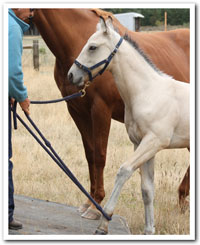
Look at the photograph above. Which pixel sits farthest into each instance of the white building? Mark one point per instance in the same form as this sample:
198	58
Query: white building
130	20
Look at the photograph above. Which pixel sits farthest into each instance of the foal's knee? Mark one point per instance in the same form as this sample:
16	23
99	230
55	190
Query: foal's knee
124	173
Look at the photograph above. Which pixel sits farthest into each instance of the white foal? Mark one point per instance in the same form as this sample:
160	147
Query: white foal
156	109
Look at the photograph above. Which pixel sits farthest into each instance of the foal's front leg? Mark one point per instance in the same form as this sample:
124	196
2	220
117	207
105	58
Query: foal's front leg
147	187
147	149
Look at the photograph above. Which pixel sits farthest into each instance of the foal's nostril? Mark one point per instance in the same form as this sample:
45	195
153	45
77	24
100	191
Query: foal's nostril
70	77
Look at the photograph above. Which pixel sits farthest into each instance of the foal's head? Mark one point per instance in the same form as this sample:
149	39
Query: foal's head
98	48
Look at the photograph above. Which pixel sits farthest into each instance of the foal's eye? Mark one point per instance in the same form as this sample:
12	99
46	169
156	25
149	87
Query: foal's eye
92	48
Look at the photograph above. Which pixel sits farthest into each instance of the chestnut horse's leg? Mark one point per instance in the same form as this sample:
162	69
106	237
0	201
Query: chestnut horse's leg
84	125
85	128
184	188
94	131
94	126
101	119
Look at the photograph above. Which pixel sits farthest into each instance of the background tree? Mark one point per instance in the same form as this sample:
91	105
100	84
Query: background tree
151	16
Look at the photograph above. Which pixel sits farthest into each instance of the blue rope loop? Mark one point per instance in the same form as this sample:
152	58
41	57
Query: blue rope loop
56	158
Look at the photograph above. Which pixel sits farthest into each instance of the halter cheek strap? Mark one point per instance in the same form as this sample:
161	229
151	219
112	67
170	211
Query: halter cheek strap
105	61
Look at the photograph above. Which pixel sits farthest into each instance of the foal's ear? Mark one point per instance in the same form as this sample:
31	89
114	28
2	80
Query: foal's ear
109	23
102	25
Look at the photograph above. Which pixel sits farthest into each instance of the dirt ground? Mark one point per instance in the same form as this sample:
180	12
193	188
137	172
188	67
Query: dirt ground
48	218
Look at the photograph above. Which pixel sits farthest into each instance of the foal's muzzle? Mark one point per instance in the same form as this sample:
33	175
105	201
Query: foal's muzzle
79	81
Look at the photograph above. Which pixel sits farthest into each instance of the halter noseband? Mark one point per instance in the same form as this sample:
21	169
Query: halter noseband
105	61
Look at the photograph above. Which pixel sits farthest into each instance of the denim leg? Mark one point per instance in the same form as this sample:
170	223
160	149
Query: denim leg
11	193
11	204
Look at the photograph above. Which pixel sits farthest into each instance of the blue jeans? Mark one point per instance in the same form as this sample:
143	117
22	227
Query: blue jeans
11	204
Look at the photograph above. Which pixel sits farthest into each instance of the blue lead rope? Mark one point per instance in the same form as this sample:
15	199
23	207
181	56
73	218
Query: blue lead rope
67	98
55	156
81	93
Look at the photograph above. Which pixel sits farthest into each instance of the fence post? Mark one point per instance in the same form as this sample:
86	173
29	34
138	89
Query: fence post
165	21
36	55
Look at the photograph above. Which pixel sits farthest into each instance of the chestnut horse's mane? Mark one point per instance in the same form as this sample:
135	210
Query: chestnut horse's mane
105	15
102	13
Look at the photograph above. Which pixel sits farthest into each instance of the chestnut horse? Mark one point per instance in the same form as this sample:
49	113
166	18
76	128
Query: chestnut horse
65	32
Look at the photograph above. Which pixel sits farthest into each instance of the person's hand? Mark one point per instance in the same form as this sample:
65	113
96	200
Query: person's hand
12	101
25	105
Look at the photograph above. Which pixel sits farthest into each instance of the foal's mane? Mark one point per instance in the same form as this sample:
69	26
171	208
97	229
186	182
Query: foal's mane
141	52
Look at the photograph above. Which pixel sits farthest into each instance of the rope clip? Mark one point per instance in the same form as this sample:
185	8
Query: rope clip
83	91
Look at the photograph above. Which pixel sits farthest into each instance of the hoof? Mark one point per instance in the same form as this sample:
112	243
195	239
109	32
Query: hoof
91	214
149	231
100	232
82	209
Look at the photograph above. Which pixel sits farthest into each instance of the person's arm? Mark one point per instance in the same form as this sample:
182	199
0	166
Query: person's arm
17	90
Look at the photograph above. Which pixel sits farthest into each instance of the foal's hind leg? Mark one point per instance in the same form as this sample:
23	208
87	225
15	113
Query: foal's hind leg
147	149
147	186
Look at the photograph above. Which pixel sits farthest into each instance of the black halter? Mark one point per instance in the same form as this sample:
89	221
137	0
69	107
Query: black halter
105	61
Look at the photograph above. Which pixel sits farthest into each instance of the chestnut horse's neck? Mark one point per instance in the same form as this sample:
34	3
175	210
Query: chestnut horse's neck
65	30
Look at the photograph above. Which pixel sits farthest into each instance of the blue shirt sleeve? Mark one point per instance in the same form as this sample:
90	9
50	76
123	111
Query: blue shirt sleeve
17	89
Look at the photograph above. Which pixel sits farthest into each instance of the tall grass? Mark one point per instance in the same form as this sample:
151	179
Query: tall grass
36	175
